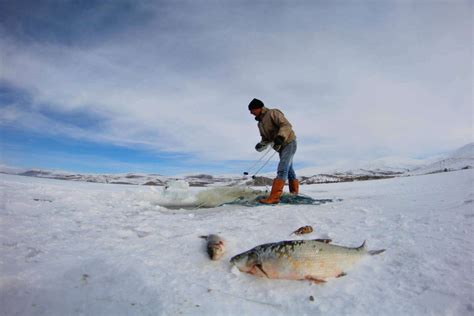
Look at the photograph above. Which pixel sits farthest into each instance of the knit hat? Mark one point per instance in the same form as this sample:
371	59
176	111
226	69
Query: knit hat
255	104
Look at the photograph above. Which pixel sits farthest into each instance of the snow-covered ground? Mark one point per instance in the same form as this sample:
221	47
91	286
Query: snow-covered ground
77	248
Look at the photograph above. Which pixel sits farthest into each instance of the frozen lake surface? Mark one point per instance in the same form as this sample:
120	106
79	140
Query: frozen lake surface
72	248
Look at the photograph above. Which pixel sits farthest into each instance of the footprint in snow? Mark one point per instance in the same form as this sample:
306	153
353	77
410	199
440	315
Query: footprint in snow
32	252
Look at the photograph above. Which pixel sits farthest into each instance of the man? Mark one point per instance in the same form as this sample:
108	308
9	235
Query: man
275	128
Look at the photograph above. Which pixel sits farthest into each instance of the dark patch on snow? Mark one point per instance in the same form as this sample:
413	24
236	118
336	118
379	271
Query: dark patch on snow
155	183
43	200
285	199
260	182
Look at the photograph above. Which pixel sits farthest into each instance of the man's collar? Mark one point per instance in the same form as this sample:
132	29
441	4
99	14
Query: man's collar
262	114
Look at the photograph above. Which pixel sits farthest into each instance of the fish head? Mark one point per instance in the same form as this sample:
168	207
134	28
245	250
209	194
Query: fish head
245	261
216	251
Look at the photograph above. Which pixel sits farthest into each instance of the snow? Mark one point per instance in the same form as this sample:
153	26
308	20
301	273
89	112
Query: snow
384	165
75	248
466	152
463	158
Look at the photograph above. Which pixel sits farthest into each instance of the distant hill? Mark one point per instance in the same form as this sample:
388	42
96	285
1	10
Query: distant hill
198	180
463	158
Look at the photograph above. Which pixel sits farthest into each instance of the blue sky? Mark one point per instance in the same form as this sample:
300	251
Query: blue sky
163	86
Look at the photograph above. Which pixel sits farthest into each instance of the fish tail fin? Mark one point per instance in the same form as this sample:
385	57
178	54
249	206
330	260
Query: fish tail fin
375	252
363	247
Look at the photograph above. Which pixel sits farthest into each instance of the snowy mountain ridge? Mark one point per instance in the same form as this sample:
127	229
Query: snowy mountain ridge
127	178
462	158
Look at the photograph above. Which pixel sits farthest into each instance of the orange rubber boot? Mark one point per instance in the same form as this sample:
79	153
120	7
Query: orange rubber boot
294	186
277	190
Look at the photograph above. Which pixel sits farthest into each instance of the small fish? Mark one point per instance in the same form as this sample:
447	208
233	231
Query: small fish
303	230
215	246
315	260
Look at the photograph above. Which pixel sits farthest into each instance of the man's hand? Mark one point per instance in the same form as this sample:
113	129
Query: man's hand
260	147
278	142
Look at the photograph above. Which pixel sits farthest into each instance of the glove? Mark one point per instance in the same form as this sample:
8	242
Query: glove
260	147
278	142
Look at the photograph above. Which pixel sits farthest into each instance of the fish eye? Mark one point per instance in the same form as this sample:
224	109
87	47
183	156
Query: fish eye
235	258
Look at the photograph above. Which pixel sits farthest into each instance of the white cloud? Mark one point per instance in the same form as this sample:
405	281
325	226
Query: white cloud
353	87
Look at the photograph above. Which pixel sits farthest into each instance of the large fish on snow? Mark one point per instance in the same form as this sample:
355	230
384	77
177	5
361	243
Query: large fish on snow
315	260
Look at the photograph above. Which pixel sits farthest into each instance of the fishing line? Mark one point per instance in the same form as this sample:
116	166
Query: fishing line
256	162
266	162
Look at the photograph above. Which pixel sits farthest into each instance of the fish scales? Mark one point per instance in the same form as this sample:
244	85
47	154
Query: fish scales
299	259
